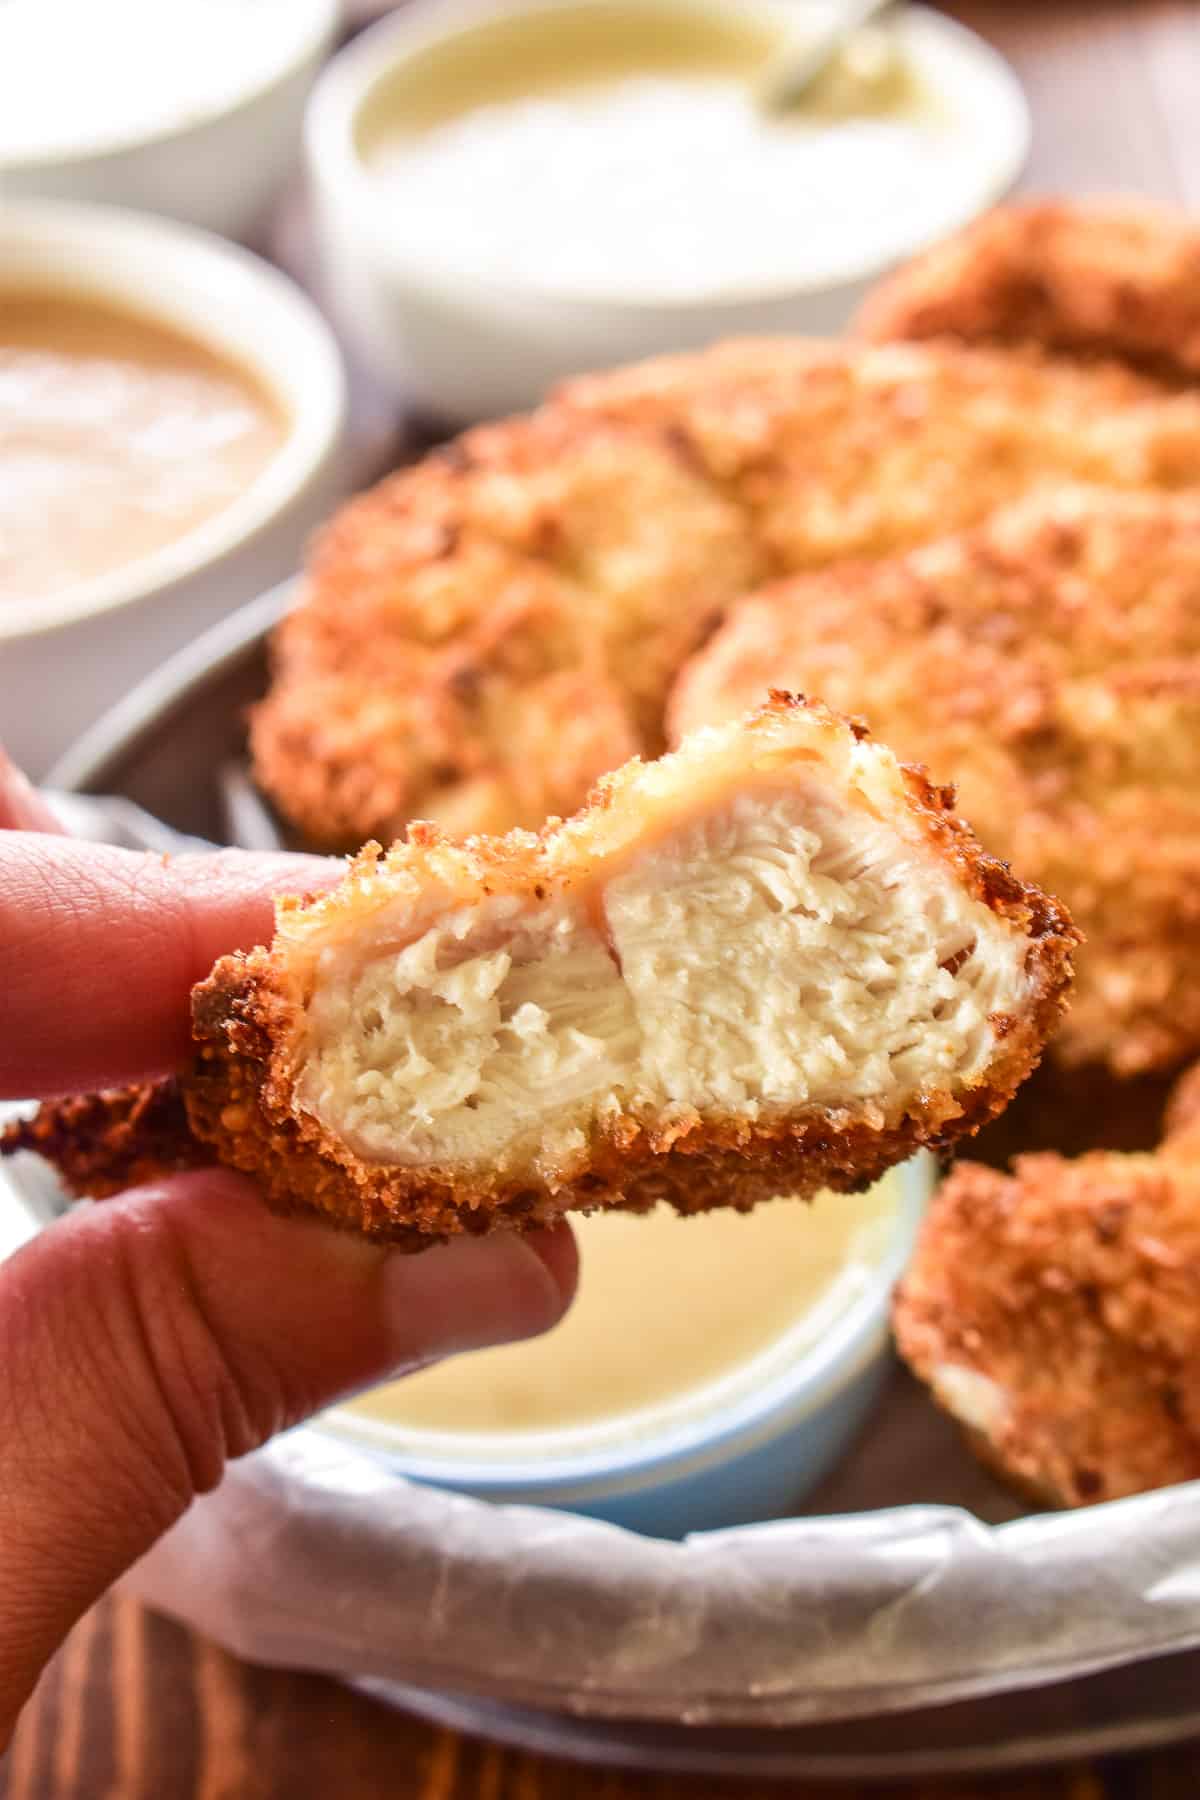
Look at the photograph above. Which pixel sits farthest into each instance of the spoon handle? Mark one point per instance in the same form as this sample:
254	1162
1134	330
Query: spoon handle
789	75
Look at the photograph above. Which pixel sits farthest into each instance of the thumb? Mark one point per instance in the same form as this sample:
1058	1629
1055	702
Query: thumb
145	1341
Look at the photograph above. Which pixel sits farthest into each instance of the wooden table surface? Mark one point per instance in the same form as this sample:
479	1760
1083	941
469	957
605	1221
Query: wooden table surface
135	1708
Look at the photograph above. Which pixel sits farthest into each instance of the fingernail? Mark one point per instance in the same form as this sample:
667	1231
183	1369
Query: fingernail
555	1246
473	1292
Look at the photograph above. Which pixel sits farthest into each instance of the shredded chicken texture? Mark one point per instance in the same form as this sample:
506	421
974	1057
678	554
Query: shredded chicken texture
485	633
1049	663
1117	279
769	963
1055	1314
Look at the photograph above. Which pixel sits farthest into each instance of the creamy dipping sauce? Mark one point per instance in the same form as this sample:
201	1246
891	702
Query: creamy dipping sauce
667	1310
118	436
666	179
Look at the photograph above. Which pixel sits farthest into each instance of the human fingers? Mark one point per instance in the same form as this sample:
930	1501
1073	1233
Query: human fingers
100	948
147	1340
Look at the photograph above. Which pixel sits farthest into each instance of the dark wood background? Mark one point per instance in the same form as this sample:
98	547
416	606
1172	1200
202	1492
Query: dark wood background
135	1708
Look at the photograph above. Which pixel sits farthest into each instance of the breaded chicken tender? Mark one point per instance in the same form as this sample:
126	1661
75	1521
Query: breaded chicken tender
487	633
1048	662
484	634
769	963
1056	1314
1118	279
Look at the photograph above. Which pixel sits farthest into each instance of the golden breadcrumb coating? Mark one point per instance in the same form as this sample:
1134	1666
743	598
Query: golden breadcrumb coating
484	634
838	451
1049	662
102	1143
771	962
1056	1314
1114	279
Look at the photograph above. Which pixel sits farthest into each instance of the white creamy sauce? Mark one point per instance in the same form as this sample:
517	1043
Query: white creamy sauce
662	185
83	75
667	1307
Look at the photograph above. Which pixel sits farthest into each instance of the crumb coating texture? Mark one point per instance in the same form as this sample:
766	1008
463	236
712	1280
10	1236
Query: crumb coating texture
1055	1312
1049	662
102	1143
1117	279
484	634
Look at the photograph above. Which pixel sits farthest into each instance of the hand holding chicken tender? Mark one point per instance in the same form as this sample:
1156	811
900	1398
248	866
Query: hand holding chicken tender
149	1341
770	963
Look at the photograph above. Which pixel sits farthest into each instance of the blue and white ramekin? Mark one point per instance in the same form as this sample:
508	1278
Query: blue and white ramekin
771	1431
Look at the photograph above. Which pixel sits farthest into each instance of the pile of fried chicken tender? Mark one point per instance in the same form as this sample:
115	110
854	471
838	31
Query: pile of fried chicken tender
770	956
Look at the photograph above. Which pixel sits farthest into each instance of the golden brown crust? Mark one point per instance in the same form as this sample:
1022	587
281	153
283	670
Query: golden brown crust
483	634
103	1143
486	633
841	450
699	1165
241	1100
1117	279
1049	660
1056	1313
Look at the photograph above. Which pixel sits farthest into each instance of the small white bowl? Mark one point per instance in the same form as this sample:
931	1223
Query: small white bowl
65	661
750	1447
473	347
220	164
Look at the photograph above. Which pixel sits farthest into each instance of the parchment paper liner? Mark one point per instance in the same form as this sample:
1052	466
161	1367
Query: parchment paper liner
312	1556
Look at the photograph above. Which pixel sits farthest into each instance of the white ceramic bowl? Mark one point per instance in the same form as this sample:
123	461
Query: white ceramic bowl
64	662
221	164
750	1447
470	347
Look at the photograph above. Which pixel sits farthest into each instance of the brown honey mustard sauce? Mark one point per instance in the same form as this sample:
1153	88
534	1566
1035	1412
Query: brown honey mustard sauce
118	436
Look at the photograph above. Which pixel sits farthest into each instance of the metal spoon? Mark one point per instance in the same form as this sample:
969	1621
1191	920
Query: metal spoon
790	74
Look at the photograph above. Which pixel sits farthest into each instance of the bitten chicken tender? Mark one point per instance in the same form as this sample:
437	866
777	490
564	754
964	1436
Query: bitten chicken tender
1117	279
770	963
1049	663
1056	1314
486	633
